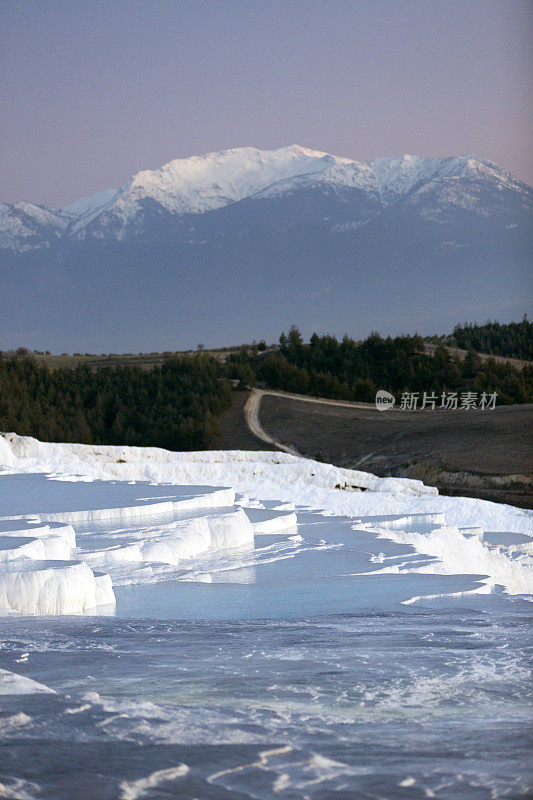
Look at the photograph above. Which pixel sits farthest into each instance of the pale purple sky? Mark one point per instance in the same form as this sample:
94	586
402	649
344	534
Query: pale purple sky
94	91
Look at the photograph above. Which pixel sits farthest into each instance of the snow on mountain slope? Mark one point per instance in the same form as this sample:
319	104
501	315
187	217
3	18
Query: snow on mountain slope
197	184
26	226
82	211
204	183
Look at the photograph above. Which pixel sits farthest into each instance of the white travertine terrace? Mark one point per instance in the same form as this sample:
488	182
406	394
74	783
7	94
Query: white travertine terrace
76	518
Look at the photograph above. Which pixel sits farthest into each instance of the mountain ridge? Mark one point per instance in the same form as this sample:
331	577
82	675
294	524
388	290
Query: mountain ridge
198	184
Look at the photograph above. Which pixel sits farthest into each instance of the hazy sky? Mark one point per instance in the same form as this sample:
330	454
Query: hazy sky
92	91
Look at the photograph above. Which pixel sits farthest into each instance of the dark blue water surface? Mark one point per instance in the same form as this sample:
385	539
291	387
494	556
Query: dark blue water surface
286	676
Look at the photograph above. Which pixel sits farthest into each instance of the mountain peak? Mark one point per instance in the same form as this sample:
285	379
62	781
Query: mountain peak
204	183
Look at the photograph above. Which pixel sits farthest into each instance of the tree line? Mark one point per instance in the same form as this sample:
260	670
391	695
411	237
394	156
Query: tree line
349	370
514	340
175	405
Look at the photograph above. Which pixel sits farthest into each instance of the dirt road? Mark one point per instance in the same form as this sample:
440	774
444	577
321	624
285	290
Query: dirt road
474	453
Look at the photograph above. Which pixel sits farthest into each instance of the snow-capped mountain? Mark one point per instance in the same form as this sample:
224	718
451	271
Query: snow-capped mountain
296	220
206	183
